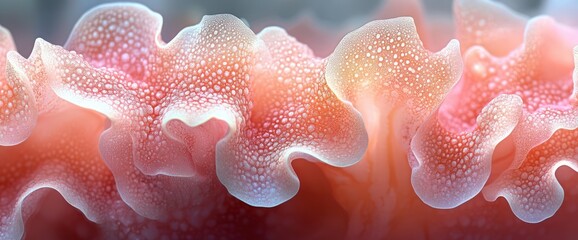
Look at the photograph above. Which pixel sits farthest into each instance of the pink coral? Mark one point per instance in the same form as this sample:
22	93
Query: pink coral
191	138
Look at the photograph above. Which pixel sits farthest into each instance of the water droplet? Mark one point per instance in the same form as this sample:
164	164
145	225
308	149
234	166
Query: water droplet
125	57
311	128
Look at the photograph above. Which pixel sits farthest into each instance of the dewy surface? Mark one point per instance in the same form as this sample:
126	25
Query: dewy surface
223	132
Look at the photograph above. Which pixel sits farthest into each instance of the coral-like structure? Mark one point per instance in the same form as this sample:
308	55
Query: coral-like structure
203	136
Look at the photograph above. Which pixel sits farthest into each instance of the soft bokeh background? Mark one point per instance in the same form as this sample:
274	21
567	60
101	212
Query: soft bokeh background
52	20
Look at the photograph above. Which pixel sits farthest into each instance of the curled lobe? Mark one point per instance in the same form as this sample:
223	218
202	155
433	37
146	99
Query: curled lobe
294	115
256	102
385	62
217	69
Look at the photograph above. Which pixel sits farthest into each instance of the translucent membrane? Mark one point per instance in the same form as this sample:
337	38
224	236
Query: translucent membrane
191	137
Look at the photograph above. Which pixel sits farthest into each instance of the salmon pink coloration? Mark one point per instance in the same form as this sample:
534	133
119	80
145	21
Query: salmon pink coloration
222	132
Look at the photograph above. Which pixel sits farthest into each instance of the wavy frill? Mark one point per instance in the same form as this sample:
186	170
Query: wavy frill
141	135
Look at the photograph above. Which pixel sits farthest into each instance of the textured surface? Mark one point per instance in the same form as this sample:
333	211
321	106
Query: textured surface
17	105
270	91
119	67
222	132
294	115
449	168
385	61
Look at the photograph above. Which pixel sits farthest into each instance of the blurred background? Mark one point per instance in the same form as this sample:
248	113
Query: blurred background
53	20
